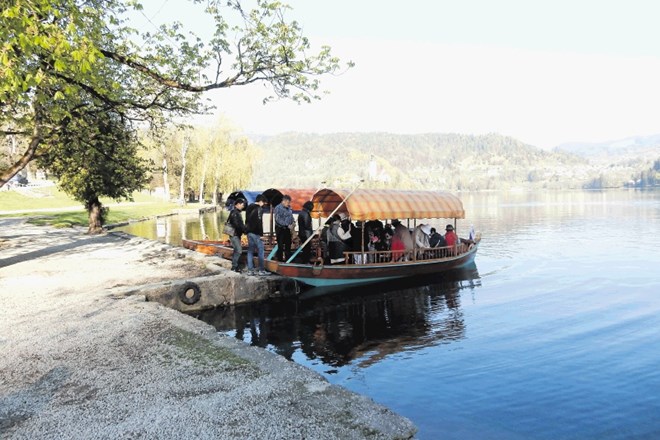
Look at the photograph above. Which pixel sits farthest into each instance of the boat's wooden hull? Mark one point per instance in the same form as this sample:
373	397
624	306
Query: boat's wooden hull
211	247
218	248
352	274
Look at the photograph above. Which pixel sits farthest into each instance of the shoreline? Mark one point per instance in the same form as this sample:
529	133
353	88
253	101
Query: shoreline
83	359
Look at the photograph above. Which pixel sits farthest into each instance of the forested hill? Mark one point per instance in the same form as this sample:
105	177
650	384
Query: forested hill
634	147
423	161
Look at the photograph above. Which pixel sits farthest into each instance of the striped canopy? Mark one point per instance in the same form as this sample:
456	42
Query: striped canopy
383	204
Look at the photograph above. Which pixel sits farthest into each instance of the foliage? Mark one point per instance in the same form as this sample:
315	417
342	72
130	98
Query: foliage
95	157
62	59
424	161
219	157
647	178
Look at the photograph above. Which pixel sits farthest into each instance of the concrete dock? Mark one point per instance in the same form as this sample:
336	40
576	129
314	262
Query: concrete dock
84	355
214	286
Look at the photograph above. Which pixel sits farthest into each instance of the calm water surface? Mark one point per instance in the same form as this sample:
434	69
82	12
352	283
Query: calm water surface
554	333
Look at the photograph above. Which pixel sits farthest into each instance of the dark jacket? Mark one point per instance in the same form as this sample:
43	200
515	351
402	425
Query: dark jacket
254	220
305	225
437	240
357	240
236	220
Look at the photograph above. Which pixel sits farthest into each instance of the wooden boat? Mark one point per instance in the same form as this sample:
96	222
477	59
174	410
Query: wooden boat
365	205
211	247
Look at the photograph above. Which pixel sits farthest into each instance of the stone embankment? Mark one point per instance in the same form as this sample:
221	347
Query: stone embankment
84	356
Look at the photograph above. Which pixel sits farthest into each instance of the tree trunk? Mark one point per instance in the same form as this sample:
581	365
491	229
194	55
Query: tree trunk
96	216
166	179
184	150
215	191
201	184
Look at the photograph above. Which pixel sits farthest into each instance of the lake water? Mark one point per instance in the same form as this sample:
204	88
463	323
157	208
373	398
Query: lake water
553	333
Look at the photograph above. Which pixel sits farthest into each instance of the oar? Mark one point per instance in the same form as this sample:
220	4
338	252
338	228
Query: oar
321	226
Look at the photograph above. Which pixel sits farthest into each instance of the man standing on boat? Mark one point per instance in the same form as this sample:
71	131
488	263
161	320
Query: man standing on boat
305	230
236	220
283	223
255	230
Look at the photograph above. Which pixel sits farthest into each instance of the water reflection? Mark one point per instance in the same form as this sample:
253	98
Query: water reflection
360	325
172	229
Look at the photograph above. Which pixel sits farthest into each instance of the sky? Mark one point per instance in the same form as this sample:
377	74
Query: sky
544	72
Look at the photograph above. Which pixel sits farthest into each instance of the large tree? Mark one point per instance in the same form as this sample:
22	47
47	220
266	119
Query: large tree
63	61
96	156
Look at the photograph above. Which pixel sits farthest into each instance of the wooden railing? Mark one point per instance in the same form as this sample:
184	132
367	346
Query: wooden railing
421	254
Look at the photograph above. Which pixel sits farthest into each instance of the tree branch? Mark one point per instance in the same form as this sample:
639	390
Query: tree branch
29	153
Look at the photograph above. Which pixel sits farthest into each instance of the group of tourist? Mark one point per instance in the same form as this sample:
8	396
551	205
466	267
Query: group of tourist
373	241
253	227
365	240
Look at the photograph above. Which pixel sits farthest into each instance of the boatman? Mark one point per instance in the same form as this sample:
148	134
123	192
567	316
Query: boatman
305	230
283	224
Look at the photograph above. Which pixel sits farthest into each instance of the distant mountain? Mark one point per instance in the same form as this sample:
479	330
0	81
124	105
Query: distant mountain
624	149
428	161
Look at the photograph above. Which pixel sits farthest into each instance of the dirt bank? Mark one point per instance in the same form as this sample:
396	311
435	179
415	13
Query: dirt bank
80	361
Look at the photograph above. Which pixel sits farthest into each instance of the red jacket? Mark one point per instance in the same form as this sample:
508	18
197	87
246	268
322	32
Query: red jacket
399	246
451	238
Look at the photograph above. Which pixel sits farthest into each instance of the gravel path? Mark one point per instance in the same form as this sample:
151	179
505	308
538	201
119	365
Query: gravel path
80	362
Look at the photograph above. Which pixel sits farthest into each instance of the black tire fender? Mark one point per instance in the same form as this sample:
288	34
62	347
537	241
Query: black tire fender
289	287
190	293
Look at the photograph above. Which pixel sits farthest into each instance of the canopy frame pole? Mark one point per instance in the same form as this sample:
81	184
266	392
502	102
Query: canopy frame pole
319	228
414	239
362	256
270	233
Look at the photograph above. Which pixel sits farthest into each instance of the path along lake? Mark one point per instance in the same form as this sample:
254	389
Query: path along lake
553	333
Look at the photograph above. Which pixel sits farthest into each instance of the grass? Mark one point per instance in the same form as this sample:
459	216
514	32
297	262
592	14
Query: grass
72	213
116	214
35	198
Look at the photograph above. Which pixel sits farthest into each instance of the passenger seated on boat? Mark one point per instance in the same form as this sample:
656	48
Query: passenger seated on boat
436	239
388	233
357	245
398	248
450	237
372	239
374	225
421	235
338	239
325	248
385	244
388	229
382	245
403	233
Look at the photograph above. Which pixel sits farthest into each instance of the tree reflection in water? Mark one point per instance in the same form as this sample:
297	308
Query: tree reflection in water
361	325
